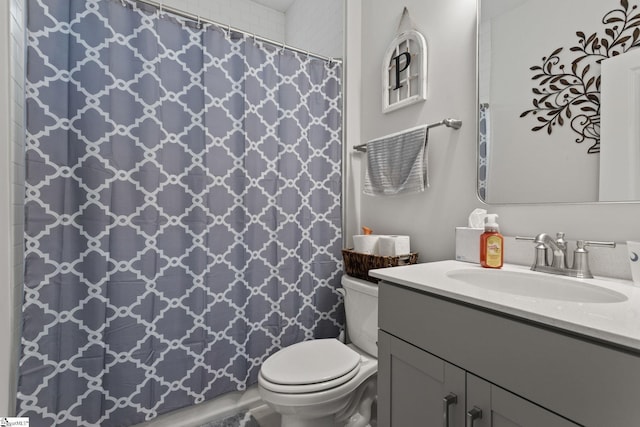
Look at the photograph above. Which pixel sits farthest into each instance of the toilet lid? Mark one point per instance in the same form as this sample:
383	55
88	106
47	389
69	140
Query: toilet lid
310	362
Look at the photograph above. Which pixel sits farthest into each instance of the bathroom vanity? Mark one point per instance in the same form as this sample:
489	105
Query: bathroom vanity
458	347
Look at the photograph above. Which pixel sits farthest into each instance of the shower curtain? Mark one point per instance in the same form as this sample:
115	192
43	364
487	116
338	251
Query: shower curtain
183	217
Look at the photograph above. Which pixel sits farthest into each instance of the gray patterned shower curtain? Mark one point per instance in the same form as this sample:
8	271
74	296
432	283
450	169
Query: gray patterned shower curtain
182	210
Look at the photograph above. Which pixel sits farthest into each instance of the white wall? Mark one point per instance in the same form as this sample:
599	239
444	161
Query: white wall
429	218
311	25
244	15
316	26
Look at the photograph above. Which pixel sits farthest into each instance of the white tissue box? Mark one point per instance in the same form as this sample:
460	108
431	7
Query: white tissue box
468	244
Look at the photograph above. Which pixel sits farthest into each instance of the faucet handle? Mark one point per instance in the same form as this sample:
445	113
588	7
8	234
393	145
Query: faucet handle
581	257
597	243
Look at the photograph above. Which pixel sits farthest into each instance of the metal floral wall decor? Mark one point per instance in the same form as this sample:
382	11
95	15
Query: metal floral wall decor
571	94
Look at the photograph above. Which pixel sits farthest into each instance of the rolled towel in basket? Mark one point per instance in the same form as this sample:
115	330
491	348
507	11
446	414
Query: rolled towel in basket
397	163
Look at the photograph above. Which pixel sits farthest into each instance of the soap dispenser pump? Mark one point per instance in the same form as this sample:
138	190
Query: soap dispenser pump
491	244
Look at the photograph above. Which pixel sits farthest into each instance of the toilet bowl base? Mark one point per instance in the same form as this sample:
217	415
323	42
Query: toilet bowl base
352	410
296	421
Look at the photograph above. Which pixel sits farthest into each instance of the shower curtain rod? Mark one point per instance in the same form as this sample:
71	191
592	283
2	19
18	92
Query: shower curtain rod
200	19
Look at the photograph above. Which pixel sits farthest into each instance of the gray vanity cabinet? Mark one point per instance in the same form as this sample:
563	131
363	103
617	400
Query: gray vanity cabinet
413	395
517	373
413	386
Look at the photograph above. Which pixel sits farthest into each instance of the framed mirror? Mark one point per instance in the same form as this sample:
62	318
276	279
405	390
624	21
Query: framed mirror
559	101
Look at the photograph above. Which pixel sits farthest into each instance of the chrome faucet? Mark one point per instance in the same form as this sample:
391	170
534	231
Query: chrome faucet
558	248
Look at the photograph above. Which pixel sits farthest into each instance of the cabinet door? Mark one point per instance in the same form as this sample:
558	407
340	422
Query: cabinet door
503	409
413	384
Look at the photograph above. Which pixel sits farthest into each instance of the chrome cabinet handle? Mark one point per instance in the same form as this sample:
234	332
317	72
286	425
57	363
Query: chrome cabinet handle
448	400
474	414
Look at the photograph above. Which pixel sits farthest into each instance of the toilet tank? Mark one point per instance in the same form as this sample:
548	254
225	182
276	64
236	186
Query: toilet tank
361	309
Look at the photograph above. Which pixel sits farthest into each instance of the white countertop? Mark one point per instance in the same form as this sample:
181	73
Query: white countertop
616	323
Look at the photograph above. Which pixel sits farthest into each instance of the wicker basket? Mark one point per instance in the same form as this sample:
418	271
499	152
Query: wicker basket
357	264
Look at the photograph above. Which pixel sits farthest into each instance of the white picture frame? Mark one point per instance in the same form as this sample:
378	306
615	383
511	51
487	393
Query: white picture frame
404	71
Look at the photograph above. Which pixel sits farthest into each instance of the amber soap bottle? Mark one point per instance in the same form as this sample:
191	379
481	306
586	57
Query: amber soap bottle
491	244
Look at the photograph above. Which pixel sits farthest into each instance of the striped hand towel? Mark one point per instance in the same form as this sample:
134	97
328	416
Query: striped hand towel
397	163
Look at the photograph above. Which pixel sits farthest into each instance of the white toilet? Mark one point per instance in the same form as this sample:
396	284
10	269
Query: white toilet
325	383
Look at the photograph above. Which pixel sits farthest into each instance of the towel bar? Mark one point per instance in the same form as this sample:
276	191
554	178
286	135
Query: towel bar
452	123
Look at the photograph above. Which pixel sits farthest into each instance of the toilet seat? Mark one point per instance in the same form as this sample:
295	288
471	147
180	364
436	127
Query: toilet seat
320	400
310	366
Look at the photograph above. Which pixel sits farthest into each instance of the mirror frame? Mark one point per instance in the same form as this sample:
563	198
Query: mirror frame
477	144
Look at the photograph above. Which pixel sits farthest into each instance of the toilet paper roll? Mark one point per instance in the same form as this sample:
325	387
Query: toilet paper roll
366	243
394	245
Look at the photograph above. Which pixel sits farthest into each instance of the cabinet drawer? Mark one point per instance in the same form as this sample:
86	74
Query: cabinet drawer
580	380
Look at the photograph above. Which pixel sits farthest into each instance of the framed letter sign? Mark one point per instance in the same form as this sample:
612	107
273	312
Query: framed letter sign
404	71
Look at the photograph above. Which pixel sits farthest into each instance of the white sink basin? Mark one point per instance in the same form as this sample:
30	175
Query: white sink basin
536	285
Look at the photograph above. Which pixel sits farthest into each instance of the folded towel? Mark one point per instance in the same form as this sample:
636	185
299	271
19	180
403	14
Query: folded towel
397	163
